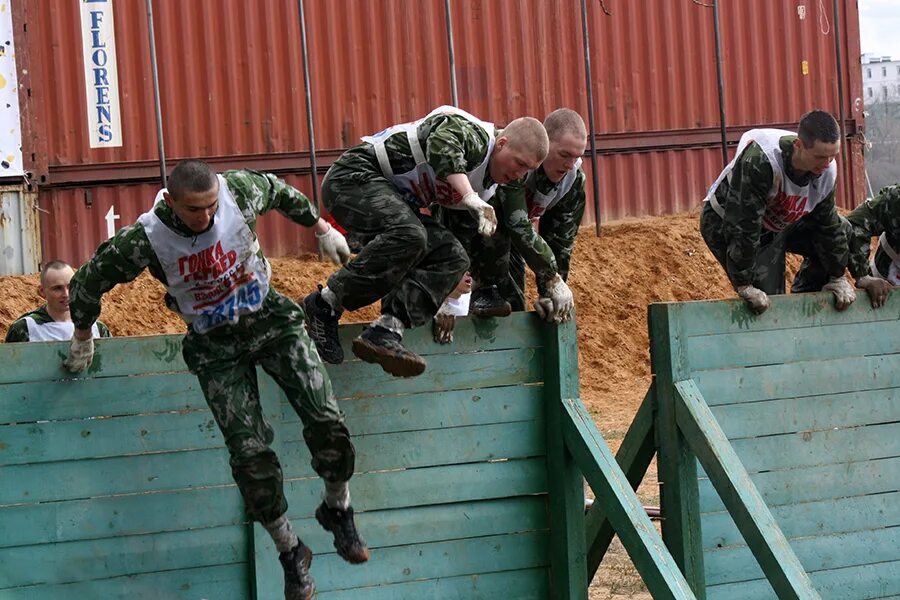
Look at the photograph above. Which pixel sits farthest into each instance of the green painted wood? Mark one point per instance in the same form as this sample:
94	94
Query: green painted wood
68	480
790	311
523	584
226	582
431	485
96	518
113	357
96	438
876	511
731	480
129	555
808	413
409	449
749	348
108	396
818	553
445	372
863	582
431	410
634	457
810	378
821	482
676	464
567	543
615	495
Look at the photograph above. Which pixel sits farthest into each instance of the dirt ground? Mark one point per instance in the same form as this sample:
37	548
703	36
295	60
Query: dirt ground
614	278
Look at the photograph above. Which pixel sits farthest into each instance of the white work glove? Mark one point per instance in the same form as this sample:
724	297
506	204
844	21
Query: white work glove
755	297
561	297
81	353
443	324
842	290
481	210
544	308
333	244
878	289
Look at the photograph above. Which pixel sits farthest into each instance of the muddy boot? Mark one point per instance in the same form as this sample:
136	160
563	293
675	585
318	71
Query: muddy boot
487	302
349	544
322	327
382	346
298	583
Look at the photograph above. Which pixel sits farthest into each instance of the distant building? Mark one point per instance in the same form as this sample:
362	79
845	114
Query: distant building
881	79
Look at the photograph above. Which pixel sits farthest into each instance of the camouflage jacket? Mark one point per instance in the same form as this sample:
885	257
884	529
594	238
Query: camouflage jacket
744	201
18	331
873	217
558	226
124	256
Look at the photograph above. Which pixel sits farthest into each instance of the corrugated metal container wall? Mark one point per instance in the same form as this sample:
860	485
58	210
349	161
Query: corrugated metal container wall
232	85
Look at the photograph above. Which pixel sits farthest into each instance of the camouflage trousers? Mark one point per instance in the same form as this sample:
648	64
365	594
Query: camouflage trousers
408	260
769	267
224	361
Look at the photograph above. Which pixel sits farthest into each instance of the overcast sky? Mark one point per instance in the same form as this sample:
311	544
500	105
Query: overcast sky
879	27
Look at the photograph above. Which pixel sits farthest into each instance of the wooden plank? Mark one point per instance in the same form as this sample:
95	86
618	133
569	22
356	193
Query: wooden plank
676	464
97	438
785	312
437	410
431	485
812	518
634	457
821	482
113	357
69	480
731	480
445	372
566	501
817	553
108	396
522	584
881	580
650	556
749	348
432	447
123	555
808	413
226	582
811	378
95	518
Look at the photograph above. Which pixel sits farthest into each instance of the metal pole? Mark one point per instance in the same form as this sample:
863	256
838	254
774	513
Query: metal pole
453	95
595	176
159	128
845	157
720	80
309	109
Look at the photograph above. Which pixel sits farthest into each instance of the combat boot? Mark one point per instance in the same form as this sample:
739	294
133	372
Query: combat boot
487	302
298	583
322	327
379	345
349	544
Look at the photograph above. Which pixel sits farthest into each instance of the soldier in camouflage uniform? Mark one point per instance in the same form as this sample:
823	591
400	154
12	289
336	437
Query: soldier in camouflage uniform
879	216
199	240
51	321
551	195
777	196
377	190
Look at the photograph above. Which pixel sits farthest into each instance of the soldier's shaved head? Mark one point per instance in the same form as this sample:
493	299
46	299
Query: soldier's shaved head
818	125
53	265
564	121
191	176
527	134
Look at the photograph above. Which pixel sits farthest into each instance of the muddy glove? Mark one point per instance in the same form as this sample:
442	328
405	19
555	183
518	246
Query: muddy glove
443	324
842	290
333	245
561	297
878	289
544	308
81	353
755	297
482	211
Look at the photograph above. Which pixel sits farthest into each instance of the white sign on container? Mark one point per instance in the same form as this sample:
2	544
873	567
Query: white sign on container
101	74
10	123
